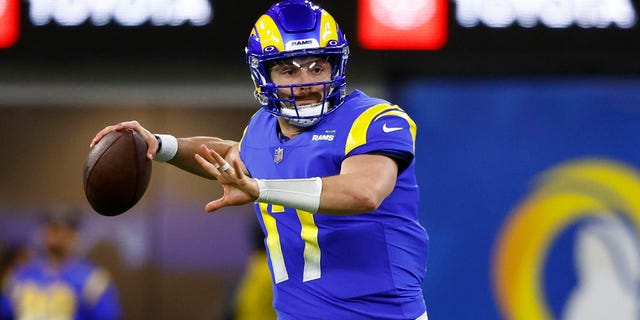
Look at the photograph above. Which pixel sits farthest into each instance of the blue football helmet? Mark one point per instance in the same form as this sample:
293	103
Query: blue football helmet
291	29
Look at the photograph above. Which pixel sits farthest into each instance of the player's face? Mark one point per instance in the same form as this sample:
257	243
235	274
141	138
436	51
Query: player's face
300	71
58	239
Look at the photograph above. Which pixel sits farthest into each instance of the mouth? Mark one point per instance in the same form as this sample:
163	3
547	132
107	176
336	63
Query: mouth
306	103
302	102
305	100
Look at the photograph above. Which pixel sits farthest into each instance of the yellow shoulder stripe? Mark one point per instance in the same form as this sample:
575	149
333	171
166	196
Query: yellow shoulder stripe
244	132
358	133
242	138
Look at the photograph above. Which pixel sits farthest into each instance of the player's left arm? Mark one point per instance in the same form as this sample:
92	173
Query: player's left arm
363	183
368	174
380	146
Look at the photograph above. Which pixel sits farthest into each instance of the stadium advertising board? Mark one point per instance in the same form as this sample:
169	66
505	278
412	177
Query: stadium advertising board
448	36
529	193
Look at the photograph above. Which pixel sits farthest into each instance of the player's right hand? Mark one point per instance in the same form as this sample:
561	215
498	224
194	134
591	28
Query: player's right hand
150	138
237	187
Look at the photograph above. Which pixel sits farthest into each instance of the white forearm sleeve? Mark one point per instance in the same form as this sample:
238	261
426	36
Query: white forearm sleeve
303	194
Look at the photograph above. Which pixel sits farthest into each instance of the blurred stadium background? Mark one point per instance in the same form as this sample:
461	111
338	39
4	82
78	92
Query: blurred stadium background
528	115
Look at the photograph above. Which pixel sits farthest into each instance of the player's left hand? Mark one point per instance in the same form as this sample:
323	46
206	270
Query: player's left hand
238	188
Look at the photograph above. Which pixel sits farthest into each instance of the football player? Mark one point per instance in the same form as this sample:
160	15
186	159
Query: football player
330	173
59	283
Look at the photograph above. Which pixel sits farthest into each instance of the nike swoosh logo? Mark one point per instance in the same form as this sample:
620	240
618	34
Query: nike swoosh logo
390	129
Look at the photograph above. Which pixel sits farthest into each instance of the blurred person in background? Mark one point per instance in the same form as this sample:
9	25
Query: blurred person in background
254	294
59	283
12	256
331	175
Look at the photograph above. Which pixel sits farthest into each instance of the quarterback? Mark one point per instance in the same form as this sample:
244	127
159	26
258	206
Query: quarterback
329	172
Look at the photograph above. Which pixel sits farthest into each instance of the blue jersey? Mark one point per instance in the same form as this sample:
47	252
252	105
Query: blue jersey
363	266
77	291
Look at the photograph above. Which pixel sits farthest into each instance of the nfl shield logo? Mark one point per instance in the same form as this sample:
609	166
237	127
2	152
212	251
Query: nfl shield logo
277	155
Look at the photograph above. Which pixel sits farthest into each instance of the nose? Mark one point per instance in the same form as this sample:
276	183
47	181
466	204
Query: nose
302	79
304	76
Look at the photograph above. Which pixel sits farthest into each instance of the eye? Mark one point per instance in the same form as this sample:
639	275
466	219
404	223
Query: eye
317	67
288	71
284	70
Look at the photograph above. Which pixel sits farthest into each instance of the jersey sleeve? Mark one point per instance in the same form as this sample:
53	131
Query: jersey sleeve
5	307
246	135
108	306
241	144
383	129
101	296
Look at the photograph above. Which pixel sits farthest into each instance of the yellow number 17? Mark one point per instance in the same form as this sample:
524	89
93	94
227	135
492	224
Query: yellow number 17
308	234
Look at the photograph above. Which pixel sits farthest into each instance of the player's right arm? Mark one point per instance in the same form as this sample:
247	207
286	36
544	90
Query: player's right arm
187	147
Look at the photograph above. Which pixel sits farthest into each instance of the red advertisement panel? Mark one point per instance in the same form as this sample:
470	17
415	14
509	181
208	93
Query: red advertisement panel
9	22
402	25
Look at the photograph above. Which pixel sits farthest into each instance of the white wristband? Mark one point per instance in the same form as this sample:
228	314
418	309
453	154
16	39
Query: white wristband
303	194
168	147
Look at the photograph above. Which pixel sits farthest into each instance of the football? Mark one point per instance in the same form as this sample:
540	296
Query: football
116	172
